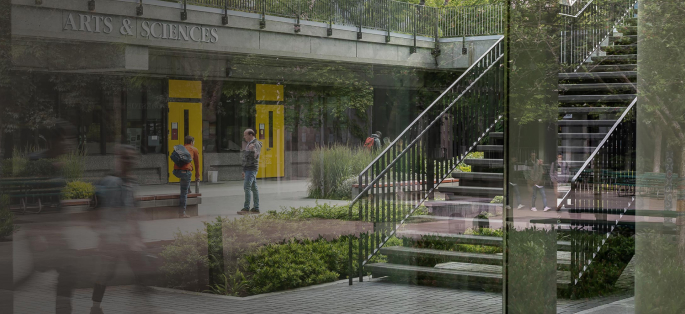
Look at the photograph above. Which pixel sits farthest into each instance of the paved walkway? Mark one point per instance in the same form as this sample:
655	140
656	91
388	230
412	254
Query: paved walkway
375	296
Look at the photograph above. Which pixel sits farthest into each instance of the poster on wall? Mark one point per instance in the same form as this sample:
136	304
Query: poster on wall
134	137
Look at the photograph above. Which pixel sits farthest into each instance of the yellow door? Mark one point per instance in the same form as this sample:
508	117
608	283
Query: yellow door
270	131
185	118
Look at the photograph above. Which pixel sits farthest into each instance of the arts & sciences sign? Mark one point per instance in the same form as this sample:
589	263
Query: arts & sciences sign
138	28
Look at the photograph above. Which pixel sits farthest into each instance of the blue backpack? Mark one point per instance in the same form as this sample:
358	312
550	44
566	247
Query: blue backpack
181	156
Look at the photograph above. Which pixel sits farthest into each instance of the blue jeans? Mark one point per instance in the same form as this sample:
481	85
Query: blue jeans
542	192
251	191
185	176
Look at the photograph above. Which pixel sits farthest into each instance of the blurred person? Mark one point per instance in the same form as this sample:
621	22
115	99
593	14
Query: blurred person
250	162
558	173
537	184
517	177
117	226
183	169
48	245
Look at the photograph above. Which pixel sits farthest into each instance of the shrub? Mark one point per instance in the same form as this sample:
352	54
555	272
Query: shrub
72	166
7	227
78	190
497	200
321	211
183	260
292	265
332	169
38	168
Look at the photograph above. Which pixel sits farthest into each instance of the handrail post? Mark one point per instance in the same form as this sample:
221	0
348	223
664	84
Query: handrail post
184	13
139	8
359	16
224	19
262	22
413	48
329	31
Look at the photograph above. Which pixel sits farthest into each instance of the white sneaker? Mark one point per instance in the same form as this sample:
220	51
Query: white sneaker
546	209
520	206
533	209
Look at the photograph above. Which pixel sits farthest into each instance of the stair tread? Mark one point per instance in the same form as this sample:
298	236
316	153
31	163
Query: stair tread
497	134
478	175
581	135
597	75
586	122
596	98
468	188
446	273
562	257
597	87
490	148
472	239
590	109
475	161
607	68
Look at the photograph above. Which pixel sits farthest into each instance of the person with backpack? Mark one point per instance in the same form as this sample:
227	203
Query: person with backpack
250	161
374	141
184	156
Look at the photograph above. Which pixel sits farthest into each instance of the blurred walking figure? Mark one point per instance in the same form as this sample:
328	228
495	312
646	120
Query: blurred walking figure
117	225
184	156
250	160
558	173
536	180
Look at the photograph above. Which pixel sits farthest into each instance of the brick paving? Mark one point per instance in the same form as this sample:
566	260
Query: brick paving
376	296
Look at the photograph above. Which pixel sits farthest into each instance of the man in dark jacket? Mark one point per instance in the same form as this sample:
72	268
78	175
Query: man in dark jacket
250	161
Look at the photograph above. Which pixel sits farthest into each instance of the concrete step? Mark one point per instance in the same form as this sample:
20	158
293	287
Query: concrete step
597	75
483	176
563	258
575	149
598	87
492	163
587	109
475	191
623	40
497	135
490	148
620	49
584	99
471	239
607	67
586	122
581	136
627	30
463	279
628	58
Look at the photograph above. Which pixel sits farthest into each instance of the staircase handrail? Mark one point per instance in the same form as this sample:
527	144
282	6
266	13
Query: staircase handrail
570	45
420	116
597	149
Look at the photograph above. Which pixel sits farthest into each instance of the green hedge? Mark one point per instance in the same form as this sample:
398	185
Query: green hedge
78	190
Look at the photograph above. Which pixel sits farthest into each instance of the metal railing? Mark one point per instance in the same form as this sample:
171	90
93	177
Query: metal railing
405	173
384	15
586	24
604	185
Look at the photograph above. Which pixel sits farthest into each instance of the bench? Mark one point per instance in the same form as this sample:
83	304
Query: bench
35	193
165	206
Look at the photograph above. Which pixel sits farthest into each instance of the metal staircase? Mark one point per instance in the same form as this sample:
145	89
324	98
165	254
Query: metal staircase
595	97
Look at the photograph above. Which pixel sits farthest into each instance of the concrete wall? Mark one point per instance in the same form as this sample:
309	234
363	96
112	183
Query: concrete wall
150	169
51	22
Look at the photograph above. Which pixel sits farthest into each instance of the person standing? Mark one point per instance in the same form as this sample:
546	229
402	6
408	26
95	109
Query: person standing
558	173
250	161
537	185
185	173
